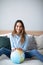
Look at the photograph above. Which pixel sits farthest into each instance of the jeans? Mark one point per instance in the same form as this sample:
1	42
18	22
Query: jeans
5	51
34	53
29	54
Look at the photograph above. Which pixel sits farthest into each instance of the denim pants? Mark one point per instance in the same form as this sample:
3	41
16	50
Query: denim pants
5	51
35	53
29	54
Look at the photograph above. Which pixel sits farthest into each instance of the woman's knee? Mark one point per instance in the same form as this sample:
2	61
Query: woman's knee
34	51
2	48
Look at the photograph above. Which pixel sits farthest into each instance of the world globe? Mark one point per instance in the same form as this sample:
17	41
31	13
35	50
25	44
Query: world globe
17	56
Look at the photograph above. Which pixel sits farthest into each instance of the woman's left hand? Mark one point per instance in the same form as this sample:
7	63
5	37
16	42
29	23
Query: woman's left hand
18	48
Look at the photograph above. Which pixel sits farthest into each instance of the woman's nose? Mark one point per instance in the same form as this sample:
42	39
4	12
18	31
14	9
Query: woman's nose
18	28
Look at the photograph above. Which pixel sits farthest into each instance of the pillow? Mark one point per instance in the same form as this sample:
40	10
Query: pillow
39	41
5	42
32	43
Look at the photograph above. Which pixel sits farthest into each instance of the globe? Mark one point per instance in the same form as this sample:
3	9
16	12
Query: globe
17	56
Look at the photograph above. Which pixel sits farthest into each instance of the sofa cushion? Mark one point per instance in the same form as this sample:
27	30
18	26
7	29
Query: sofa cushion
5	42
39	41
32	43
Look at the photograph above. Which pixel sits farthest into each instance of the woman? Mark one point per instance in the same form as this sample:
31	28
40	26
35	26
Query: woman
20	40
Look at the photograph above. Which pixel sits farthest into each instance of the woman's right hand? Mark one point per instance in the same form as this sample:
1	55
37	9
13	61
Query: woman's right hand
14	49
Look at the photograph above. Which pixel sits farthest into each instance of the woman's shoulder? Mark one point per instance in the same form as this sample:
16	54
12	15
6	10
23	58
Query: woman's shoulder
10	35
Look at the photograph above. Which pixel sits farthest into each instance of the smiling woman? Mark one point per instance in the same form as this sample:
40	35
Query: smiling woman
20	40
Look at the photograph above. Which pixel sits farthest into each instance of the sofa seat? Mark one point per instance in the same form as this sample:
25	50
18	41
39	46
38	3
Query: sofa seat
4	60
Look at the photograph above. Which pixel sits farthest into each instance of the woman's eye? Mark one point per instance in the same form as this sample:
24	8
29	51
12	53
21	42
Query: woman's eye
17	26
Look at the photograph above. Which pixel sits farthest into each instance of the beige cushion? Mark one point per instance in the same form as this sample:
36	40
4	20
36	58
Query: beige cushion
39	41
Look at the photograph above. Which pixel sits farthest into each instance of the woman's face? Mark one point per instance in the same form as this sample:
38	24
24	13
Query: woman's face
19	28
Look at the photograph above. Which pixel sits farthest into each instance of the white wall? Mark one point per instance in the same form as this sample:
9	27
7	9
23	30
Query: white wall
30	11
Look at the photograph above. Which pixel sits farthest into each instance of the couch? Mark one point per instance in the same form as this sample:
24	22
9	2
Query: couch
5	42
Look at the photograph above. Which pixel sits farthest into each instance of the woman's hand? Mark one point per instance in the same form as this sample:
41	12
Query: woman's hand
16	49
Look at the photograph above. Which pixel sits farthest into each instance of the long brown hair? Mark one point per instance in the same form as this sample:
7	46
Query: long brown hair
23	31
